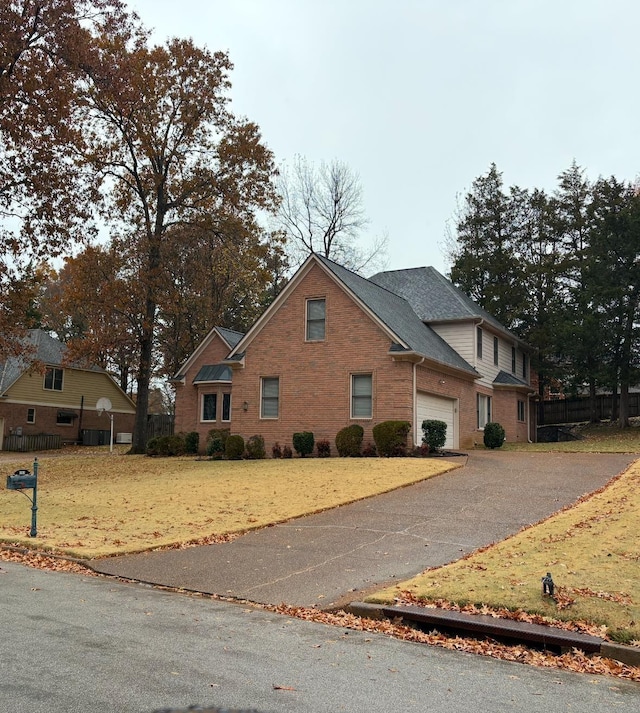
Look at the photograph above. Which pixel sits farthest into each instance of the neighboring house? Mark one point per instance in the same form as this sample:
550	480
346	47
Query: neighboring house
335	349
41	394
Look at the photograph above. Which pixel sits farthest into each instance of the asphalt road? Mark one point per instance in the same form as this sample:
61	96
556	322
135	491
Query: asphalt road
335	557
72	644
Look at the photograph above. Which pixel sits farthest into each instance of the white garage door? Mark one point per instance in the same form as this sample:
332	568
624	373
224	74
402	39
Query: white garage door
441	409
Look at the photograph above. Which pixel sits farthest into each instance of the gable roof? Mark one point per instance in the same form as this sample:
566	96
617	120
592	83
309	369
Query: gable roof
434	298
229	336
405	329
41	347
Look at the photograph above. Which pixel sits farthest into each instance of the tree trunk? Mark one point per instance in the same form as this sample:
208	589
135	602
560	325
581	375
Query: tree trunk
593	406
623	419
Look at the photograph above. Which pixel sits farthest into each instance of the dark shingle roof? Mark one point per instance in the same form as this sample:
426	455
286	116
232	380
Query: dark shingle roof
230	336
397	314
40	347
432	296
505	379
213	372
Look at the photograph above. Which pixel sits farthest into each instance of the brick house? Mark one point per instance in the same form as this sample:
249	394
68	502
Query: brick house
42	394
335	348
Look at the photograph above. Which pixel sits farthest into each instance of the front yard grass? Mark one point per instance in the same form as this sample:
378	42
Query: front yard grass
592	550
105	504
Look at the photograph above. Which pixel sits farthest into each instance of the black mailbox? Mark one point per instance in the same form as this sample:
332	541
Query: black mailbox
21	480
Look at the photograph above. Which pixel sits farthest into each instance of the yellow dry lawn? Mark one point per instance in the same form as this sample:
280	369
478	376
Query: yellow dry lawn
107	504
592	551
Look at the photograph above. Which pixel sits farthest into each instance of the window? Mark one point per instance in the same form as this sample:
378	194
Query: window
209	407
53	379
513	360
479	342
495	351
521	411
31	415
524	367
484	410
361	396
65	418
226	407
270	399
315	320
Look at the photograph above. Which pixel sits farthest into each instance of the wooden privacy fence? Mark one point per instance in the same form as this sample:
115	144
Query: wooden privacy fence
577	410
38	442
159	425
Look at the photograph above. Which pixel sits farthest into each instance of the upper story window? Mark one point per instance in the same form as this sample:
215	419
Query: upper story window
53	379
270	397
316	313
496	351
479	342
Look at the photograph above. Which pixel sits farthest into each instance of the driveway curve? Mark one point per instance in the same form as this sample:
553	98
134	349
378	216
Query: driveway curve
338	556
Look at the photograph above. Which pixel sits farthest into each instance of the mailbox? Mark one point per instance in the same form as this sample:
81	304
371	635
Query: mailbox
21	480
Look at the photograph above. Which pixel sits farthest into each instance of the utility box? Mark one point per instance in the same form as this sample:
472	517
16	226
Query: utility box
21	480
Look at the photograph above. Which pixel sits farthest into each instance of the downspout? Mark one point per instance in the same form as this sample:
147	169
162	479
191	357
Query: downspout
415	400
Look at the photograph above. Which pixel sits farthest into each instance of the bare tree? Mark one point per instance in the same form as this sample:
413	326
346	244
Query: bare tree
321	211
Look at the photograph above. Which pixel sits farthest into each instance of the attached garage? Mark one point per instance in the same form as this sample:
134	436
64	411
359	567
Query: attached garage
441	409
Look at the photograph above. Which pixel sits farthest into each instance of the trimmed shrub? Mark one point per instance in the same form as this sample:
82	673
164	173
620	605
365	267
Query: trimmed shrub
234	447
303	443
323	449
493	435
435	434
369	451
166	446
391	438
287	452
191	442
255	448
216	442
276	451
349	441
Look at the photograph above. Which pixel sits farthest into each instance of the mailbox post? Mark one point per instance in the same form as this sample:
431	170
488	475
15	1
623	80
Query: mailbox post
23	480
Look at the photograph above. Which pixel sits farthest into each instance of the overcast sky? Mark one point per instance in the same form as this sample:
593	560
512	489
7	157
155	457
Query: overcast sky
419	97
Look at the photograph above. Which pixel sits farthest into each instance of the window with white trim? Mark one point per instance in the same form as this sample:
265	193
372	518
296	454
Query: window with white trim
226	407
479	342
496	351
53	379
209	407
521	411
270	397
316	318
361	396
513	360
484	410
31	415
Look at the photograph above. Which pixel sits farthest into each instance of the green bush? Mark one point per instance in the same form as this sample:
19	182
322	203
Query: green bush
391	438
303	443
434	434
323	449
493	435
166	446
255	448
191	442
349	441
216	442
234	447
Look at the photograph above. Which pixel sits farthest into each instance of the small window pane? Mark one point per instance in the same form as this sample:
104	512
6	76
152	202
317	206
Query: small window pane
513	360
53	379
31	415
270	397
479	342
315	320
361	396
226	407
495	351
209	404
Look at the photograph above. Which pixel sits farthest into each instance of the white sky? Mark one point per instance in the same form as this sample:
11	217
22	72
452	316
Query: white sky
419	97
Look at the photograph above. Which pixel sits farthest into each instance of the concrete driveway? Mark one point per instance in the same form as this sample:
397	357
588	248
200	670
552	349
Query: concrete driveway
335	557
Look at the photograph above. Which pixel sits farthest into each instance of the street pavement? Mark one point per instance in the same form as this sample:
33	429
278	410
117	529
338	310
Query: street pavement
75	644
338	556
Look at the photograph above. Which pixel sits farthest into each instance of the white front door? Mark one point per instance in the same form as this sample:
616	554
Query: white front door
441	409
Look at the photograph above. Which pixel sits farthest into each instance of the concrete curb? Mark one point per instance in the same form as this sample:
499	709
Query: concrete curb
472	625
